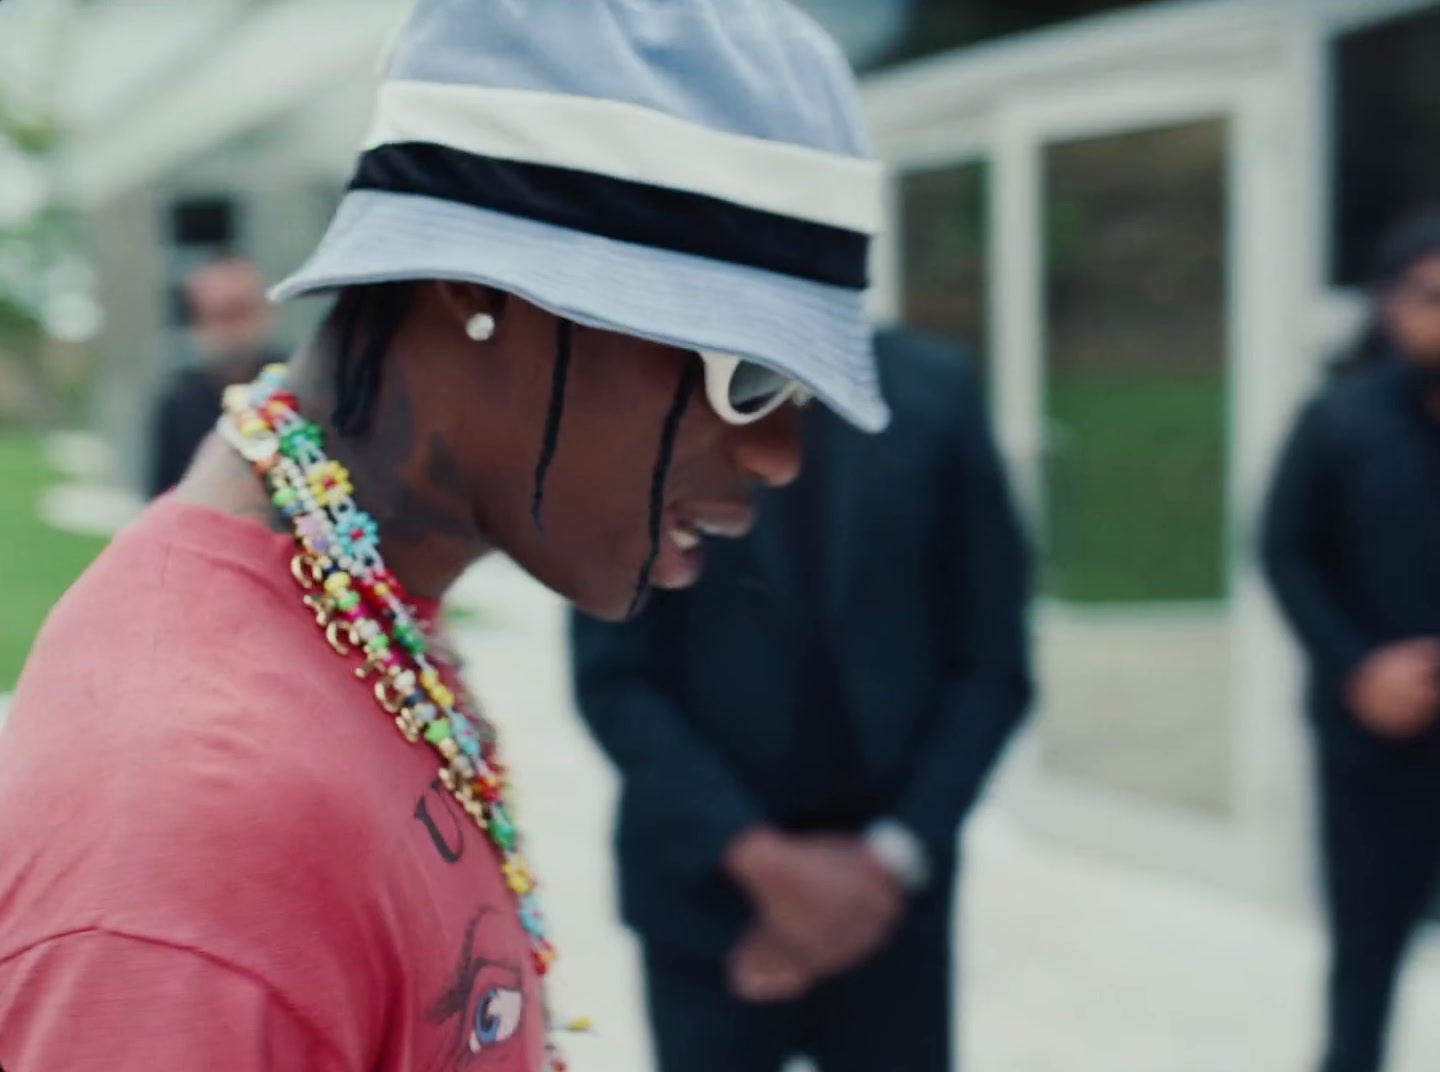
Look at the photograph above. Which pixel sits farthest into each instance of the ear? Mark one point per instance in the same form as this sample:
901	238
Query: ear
464	300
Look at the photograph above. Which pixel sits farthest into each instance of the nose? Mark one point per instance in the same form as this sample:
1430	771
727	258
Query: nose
769	450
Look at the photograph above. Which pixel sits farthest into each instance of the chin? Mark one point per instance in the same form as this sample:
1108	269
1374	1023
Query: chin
614	606
607	600
595	574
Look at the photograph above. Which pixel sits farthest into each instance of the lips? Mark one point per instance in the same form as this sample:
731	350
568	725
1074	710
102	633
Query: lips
722	520
728	521
682	555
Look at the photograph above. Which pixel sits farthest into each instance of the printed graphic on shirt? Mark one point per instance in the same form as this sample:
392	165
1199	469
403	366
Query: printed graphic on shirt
484	1005
482	1010
442	821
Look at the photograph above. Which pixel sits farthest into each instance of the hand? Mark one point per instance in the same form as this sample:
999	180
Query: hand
827	898
764	970
1396	690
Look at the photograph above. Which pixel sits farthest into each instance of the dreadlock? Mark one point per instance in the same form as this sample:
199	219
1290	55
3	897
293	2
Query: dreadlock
668	434
370	315
553	417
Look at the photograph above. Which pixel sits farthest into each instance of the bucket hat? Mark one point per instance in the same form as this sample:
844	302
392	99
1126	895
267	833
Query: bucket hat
692	172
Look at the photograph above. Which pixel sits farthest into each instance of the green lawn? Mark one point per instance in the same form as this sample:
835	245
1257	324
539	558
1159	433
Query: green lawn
37	563
1136	487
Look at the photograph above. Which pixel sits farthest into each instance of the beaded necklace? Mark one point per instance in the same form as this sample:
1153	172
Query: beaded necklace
363	609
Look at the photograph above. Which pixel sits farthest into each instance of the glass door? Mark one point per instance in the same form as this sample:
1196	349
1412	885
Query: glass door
1130	241
1137	377
944	220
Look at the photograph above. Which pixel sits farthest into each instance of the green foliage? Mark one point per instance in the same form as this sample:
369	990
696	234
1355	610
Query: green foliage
32	135
17	322
30	247
38	563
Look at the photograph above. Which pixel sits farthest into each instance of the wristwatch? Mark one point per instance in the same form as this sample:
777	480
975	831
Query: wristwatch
901	852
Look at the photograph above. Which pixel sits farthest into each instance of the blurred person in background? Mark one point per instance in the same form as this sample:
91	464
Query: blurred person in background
569	324
800	736
1352	547
230	327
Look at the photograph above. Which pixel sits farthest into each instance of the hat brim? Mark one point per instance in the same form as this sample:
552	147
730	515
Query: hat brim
812	332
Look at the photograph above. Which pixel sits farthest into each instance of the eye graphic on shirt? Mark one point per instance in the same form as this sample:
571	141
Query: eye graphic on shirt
497	1018
484	1004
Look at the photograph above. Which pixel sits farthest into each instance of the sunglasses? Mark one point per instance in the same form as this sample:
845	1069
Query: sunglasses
742	392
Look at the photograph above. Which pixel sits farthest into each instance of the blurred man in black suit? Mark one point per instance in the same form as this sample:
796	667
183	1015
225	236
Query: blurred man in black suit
1352	546
801	736
230	325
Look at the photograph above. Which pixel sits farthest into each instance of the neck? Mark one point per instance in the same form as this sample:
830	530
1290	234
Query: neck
405	477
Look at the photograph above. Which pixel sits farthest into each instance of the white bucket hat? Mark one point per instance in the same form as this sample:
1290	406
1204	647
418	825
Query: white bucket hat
691	172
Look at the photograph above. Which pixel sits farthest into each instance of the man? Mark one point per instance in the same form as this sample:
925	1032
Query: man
228	846
230	326
801	735
1352	546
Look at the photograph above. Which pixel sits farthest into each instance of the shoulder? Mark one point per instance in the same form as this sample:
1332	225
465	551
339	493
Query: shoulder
928	379
186	383
202	821
1351	402
187	762
174	762
177	782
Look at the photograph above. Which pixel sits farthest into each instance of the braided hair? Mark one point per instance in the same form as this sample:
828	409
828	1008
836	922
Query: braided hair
669	433
360	331
553	415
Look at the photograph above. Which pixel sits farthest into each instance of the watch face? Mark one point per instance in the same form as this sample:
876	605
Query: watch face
901	853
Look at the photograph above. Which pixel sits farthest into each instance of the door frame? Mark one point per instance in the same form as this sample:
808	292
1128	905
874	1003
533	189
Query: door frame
1253	847
1221	848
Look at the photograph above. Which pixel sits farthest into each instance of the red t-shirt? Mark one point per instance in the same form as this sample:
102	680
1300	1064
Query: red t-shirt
217	852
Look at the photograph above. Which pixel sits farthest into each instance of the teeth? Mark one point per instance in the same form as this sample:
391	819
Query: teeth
728	531
685	539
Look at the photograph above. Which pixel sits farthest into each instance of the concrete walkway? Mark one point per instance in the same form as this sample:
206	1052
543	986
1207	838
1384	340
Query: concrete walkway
87	500
1069	965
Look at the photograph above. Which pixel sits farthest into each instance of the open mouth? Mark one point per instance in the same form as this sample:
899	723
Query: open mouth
685	537
732	523
682	555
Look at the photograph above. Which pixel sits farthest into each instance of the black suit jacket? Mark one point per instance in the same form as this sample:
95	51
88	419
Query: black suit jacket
923	581
187	412
1352	538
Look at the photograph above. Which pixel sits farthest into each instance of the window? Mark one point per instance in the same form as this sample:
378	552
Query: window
1387	134
944	215
203	221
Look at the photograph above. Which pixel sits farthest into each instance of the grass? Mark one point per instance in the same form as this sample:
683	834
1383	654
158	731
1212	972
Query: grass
1136	487
37	563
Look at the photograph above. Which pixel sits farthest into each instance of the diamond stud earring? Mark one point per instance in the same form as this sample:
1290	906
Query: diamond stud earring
480	327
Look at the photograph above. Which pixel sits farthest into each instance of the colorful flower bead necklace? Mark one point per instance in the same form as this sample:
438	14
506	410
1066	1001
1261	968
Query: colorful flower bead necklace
363	608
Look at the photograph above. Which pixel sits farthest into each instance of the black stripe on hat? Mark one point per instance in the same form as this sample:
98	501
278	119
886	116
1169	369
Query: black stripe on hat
629	211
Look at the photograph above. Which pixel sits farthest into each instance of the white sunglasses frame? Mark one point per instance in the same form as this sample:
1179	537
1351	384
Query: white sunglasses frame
720	370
